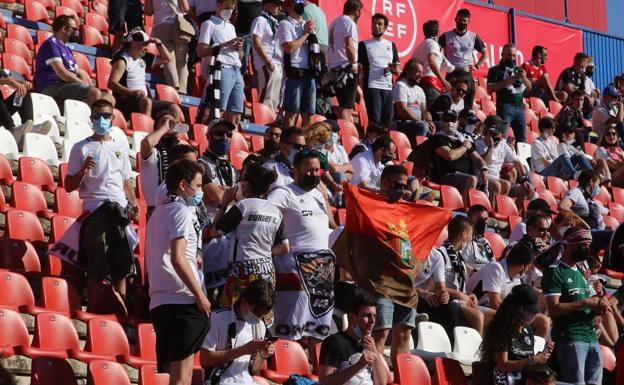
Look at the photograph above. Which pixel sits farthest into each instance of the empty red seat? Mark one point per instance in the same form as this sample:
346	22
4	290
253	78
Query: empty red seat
497	242
347	128
13	333
90	36
610	221
448	371
167	94
603	196
146	341
20	256
16	47
83	63
20	33
51	371
488	107
262	114
478	197
106	373
348	142
26	196
17	64
257	143
238	142
15	291
74	5
6	174
537	105
36	171
67	204
537	180
98	22
506	206
289	358
61	10
103	70
590	148
148	375
450	198
411	370
140	122
400	139
60	224
556	186
616	210
237	157
23	225
35	11
618	195
554	106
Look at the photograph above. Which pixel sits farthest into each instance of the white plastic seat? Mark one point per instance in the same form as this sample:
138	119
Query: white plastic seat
77	130
42	147
137	137
539	344
432	341
120	137
77	110
67	146
8	145
44	104
467	341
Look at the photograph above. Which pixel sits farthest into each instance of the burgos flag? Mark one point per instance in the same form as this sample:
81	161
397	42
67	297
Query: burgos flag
384	244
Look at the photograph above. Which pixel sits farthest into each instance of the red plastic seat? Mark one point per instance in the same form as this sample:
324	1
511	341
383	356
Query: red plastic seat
603	196
199	136
62	174
448	372
450	198
98	22
289	359
317	118
119	120
537	105
347	128
16	47
481	93
257	143
13	332
83	63
400	139
554	107
74	5
531	136
35	11
610	221
262	114
42	36
590	148
167	94
15	291
537	180
506	206
51	371
618	195
90	36
608	358
478	197
35	171
348	142
26	196
61	10
67	204
237	157
102	72
548	197
556	186
20	33
106	373
238	142
148	375
23	225
140	122
488	107
616	210
497	242
60	224
20	256
530	116
146	341
6	174
17	64
411	370
513	221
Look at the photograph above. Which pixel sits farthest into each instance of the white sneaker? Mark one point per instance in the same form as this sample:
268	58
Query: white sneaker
21	130
42	128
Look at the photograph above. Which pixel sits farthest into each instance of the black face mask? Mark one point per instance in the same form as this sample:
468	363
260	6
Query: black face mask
309	182
385	159
377	34
589	71
395	194
479	226
74	37
461	26
271	146
507	63
299	8
496	141
580	254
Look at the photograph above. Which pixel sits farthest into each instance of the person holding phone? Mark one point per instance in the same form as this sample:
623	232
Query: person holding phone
350	356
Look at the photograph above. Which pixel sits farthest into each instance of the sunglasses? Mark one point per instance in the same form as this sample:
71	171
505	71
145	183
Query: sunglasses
72	29
611	133
296	146
542	229
400	186
308	151
98	115
461	90
219	133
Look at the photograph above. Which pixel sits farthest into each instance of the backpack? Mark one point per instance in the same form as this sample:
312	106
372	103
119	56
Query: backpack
422	156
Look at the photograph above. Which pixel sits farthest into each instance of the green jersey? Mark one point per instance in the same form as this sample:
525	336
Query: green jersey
570	285
508	95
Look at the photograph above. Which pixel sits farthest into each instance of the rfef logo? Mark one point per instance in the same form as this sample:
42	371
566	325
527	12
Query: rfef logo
402	26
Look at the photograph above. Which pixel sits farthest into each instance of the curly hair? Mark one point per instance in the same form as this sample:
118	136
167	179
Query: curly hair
319	132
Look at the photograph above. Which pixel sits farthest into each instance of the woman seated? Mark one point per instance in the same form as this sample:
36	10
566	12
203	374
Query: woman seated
610	151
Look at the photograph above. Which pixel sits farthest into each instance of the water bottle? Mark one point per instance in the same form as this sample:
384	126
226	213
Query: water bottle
339	199
95	171
180	128
17	100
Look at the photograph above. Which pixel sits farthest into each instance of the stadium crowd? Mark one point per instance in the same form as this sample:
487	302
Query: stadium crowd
237	257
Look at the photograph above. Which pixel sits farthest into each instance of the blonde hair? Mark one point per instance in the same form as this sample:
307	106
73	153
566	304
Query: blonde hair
319	132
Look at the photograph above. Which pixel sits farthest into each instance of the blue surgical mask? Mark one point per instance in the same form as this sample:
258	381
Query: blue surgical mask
219	147
102	126
595	191
291	155
358	331
196	199
334	138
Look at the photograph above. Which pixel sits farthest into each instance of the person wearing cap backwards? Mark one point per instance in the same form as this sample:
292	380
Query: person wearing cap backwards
267	53
509	81
495	151
610	111
572	309
127	77
469	124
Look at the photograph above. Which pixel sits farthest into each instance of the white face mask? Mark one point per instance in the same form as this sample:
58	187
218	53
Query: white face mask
469	128
251	318
450	128
225	14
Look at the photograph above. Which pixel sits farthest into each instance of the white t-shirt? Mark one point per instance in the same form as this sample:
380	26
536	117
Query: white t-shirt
431	46
305	217
106	181
517	232
165	11
600	116
432	269
365	169
289	30
414	96
579	203
450	276
216	340
269	41
340	29
168	222
501	153
379	54
135	71
543	149
215	31
493	278
338	156
149	177
284	175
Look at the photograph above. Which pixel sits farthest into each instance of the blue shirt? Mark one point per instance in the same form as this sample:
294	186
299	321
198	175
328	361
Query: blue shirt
50	51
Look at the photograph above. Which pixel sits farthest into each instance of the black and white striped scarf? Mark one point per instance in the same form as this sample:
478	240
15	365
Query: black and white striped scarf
212	92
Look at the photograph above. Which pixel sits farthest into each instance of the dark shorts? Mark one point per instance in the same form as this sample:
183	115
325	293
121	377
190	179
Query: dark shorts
128	104
346	94
61	91
180	332
122	12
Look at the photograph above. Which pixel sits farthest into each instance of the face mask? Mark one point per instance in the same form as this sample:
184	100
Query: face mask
568	141
74	37
385	159
395	194
334	138
589	71
496	141
469	128
507	63
196	199
102	126
251	318
271	146
358	332
291	155
450	128
479	227
595	191
299	8
309	182
461	26
527	317
320	147
219	147
378	34
580	254
225	14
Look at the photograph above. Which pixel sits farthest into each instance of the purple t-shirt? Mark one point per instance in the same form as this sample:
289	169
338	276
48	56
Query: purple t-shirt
50	51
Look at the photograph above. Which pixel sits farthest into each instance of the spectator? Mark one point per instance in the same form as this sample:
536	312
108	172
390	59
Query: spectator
56	72
509	342
317	135
428	52
218	40
496	152
235	348
99	168
478	252
25	111
373	131
300	86
546	159
267	53
452	100
127	77
454	158
178	307
291	141
571	143
510	83
610	151
368	166
572	113
165	14
246	13
393	316
536	207
538	239
538	374
410	105
379	59
351	355
303	310
202	10
470	125
271	143
459	45
343	56
122	14
590	88
536	71
339	164
573	78
572	311
610	111
313	12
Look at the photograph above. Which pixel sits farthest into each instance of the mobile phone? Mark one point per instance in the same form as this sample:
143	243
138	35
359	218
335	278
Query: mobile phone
271	338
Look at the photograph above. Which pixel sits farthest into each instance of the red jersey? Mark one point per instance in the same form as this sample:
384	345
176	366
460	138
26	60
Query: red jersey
533	71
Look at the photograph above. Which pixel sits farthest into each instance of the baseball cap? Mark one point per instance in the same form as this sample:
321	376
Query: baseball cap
611	90
135	35
540	205
495	124
449	116
276	2
221	122
525	296
470	116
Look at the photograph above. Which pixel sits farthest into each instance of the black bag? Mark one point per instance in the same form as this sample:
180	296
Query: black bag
422	157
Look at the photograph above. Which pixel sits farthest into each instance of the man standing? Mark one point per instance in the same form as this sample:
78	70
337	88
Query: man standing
305	277
312	12
510	82
459	44
267	53
300	85
290	142
379	58
538	75
99	168
343	56
572	309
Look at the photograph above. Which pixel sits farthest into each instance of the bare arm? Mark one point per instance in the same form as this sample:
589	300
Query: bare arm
291	46
213	193
403	112
72	182
558	309
182	268
130	194
483	58
117	70
256	41
165	57
494	300
506	365
64	74
449	155
151	140
566	204
281	249
350	50
184	6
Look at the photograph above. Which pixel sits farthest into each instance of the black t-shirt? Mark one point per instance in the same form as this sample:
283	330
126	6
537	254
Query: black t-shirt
521	348
440	105
341	351
616	257
570	75
247	12
441	166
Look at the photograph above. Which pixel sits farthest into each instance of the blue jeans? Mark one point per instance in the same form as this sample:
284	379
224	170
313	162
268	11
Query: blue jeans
246	52
300	95
513	114
579	362
390	314
231	97
379	105
566	167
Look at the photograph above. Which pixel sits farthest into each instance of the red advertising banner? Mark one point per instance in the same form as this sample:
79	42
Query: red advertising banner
562	42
